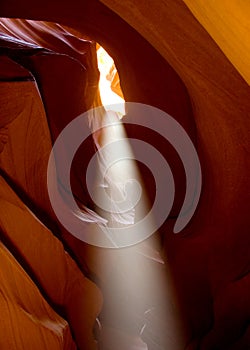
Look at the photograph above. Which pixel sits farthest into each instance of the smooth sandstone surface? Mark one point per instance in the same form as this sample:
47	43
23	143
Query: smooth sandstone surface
229	25
226	21
207	48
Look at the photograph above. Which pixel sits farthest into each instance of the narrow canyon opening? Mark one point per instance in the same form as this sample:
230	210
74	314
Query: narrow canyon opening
169	56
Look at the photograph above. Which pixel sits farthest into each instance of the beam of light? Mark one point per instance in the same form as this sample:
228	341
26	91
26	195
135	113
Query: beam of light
141	311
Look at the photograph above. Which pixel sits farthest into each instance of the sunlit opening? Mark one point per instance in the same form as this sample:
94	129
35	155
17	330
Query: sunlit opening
140	310
109	84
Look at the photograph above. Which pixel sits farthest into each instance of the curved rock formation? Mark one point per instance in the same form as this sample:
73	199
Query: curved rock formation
181	57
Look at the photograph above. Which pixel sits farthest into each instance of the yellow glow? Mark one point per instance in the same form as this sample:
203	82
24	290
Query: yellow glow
108	97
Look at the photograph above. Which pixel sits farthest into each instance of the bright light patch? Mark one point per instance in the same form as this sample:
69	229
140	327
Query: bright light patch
108	97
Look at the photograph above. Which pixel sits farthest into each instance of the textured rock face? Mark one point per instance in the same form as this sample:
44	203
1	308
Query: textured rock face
185	73
33	291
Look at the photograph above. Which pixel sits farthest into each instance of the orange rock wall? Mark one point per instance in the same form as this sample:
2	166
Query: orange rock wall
191	65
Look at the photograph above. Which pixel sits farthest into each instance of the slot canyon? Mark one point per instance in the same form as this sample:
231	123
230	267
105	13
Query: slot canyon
185	60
